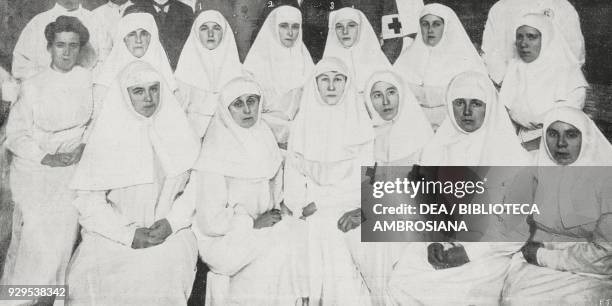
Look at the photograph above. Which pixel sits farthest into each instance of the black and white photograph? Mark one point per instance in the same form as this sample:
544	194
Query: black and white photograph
305	152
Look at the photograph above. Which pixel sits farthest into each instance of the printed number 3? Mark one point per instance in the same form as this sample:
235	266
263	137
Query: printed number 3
270	4
331	5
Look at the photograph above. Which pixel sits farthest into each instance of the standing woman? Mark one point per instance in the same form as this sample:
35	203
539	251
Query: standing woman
137	247
136	38
350	37
568	258
280	63
440	51
238	192
330	139
45	132
543	74
208	61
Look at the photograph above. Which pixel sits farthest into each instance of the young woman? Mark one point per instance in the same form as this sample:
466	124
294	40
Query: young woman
401	131
238	195
477	132
568	258
331	138
136	38
209	60
440	51
351	38
542	75
280	63
45	132
137	247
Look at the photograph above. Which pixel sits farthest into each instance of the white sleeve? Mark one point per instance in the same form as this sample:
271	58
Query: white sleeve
19	130
183	207
214	215
97	215
295	186
24	63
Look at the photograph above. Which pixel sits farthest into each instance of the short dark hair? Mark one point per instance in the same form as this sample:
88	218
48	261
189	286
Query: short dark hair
66	24
140	7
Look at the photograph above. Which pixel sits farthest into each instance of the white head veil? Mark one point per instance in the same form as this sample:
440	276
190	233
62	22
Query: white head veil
208	70
493	144
234	151
124	145
120	56
454	53
324	136
405	134
275	67
365	56
595	150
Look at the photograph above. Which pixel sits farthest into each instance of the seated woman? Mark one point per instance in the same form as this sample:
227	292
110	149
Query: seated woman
137	247
238	190
280	63
477	132
331	138
136	38
209	60
401	132
440	51
45	134
542	75
568	259
351	38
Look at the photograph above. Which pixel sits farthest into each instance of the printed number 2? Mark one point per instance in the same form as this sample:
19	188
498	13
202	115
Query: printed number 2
332	5
270	4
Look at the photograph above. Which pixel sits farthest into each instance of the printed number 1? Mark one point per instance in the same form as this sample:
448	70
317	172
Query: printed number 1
270	4
331	5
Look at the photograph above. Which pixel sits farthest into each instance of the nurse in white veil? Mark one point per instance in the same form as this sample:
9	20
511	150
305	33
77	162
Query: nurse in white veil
136	38
208	61
568	259
244	231
402	130
280	62
477	132
351	38
331	138
137	246
543	74
441	50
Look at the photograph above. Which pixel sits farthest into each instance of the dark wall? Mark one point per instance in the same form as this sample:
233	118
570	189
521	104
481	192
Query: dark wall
595	16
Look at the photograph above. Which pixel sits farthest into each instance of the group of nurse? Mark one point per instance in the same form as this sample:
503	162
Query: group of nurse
255	167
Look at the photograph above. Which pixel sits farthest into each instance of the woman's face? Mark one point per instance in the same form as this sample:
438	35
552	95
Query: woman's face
137	42
288	33
469	113
564	142
145	98
347	31
245	110
432	29
210	34
385	99
331	86
65	51
528	43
